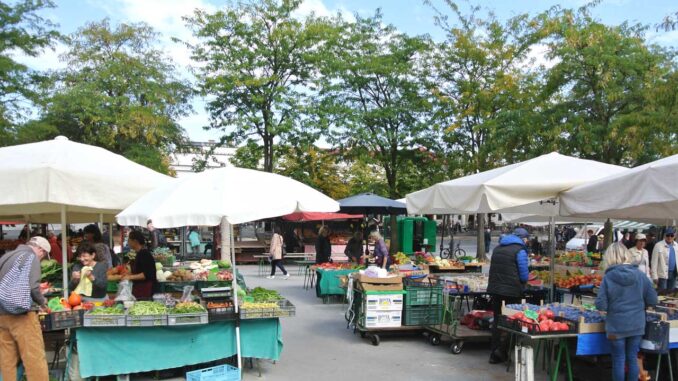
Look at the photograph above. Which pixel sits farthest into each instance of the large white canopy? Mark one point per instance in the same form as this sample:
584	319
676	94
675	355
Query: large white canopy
518	188
39	178
648	192
240	195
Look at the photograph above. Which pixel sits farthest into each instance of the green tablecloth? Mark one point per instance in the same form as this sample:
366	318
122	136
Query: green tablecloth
111	351
327	282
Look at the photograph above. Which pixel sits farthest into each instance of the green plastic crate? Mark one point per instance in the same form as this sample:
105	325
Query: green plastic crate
423	295
423	315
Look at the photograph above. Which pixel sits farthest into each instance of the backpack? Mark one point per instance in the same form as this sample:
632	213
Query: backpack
15	289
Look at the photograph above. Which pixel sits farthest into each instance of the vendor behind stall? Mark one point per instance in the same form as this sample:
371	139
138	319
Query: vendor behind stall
381	257
354	247
88	277
323	247
143	268
624	294
508	275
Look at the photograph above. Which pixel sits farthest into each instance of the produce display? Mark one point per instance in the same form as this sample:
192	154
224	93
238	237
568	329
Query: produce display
569	312
262	295
401	259
570	280
8	244
187	308
163	255
259	305
219	305
180	275
543	321
147	308
118	270
50	271
339	266
117	309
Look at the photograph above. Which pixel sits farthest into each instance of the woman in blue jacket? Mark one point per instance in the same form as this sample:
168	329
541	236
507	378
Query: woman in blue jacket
624	293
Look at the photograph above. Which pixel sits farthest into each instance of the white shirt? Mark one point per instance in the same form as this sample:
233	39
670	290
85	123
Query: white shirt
642	260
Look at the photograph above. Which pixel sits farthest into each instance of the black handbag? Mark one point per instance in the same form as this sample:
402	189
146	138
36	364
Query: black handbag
656	338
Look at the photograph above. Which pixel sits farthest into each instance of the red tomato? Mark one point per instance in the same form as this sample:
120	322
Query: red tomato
549	314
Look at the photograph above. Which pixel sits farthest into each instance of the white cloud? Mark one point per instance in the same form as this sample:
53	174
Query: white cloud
48	60
537	56
318	8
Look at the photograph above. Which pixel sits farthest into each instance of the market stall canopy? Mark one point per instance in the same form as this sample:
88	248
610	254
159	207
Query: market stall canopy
648	192
519	188
40	178
237	194
318	216
370	203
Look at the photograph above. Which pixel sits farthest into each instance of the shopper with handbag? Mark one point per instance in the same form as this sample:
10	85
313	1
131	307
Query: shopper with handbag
276	253
20	333
624	294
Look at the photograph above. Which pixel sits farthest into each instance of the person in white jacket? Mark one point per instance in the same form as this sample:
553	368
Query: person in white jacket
640	256
664	261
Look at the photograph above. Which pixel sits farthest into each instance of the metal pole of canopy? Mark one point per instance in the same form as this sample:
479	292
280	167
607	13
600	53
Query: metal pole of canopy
552	251
64	252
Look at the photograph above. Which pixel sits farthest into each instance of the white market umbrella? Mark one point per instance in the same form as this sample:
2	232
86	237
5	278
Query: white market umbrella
225	196
518	188
645	193
59	181
530	187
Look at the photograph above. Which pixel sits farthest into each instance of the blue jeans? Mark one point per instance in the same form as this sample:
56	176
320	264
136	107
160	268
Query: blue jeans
625	351
667	284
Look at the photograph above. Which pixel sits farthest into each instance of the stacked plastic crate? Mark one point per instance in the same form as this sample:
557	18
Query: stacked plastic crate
423	303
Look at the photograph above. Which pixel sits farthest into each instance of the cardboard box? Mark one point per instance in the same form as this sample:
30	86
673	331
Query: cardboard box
379	287
383	319
366	279
383	302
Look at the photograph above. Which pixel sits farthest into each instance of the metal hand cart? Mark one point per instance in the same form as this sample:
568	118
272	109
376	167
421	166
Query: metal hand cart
450	328
356	315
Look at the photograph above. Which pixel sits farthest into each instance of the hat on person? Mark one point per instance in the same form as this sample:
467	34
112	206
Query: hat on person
521	233
670	230
640	236
41	243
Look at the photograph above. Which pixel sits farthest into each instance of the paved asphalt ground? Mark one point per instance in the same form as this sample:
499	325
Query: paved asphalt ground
318	345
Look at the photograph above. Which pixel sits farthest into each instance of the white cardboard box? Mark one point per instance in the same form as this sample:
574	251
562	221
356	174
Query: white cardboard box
386	302
383	319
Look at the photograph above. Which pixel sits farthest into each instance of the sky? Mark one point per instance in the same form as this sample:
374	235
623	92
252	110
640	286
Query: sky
410	16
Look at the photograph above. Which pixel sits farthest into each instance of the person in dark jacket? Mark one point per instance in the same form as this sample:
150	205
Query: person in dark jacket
592	245
323	248
143	269
624	293
354	247
508	275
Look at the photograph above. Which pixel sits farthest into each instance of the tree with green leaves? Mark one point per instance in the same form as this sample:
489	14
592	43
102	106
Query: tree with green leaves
597	92
478	80
22	30
371	98
121	93
255	62
315	167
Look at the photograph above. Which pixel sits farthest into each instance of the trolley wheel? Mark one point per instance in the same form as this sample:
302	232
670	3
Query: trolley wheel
362	334
434	339
457	347
375	340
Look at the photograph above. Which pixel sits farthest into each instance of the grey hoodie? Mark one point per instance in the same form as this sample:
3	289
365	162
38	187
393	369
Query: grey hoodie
6	263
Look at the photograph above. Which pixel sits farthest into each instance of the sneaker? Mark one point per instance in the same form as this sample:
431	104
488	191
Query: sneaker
287	276
270	277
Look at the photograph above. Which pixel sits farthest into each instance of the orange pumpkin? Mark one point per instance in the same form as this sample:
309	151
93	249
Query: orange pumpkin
74	299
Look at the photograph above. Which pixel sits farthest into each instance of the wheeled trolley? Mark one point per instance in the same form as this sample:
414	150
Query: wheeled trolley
450	329
385	321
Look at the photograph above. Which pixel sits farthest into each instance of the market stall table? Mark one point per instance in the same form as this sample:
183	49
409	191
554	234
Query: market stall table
126	350
328	282
560	345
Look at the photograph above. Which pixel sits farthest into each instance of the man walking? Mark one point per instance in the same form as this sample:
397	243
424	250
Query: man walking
508	275
664	261
20	334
